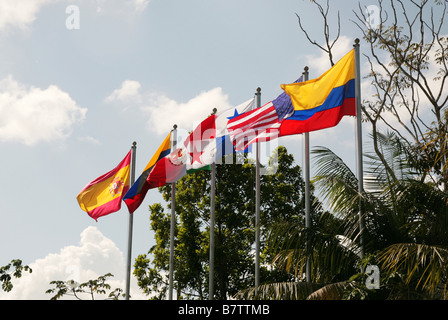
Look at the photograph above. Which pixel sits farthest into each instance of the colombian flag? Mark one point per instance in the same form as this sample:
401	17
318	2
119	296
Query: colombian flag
104	194
149	178
322	102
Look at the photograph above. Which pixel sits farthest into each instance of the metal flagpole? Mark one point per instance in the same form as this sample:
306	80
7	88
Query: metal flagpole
173	220
211	288
257	204
359	145
307	189
131	222
212	234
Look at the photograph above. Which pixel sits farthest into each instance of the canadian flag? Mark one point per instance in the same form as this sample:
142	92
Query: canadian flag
200	145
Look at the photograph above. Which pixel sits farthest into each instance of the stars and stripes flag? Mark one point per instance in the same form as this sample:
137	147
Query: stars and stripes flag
260	124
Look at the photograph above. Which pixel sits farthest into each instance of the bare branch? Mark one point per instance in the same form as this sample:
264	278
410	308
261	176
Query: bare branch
328	43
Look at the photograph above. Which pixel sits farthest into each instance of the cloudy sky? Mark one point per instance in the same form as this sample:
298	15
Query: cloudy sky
81	80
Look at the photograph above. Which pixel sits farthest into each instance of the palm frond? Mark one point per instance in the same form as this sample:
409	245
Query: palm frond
338	184
332	291
279	291
339	187
396	155
424	265
388	181
330	257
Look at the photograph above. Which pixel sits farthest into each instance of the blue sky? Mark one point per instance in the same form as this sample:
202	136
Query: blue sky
72	101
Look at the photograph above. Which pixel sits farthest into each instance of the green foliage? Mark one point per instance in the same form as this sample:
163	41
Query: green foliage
6	274
281	200
405	232
91	288
404	204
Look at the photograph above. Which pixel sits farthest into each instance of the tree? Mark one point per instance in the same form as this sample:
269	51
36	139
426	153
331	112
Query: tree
91	288
6	275
407	53
405	233
408	58
405	201
281	200
405	218
329	44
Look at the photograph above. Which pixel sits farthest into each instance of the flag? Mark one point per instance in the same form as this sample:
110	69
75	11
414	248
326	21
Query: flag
322	102
260	124
134	197
210	140
224	144
196	152
103	195
200	144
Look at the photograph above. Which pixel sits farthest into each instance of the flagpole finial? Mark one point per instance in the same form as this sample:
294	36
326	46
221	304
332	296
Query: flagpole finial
306	69
175	127
357	42
258	90
134	143
214	110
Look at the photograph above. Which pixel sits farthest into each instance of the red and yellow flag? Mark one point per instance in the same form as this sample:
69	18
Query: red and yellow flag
103	195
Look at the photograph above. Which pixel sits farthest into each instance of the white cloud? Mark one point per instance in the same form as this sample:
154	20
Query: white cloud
95	256
19	14
22	13
31	115
163	112
129	91
90	140
139	5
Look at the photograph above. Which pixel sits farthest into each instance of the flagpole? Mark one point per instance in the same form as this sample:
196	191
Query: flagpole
257	204
173	221
211	288
307	190
131	222
359	145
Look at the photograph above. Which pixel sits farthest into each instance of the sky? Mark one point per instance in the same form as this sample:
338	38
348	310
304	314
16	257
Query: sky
80	80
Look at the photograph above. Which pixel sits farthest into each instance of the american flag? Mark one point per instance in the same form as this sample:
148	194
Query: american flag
257	125
261	124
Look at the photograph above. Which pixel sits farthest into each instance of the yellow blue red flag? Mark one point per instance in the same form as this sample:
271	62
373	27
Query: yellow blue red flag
149	178
322	102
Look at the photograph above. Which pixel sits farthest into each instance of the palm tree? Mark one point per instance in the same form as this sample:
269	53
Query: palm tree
405	233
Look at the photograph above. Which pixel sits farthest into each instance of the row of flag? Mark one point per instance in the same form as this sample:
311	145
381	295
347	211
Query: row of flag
303	106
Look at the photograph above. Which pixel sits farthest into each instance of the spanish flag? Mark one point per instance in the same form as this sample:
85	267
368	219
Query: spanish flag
322	102
103	195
